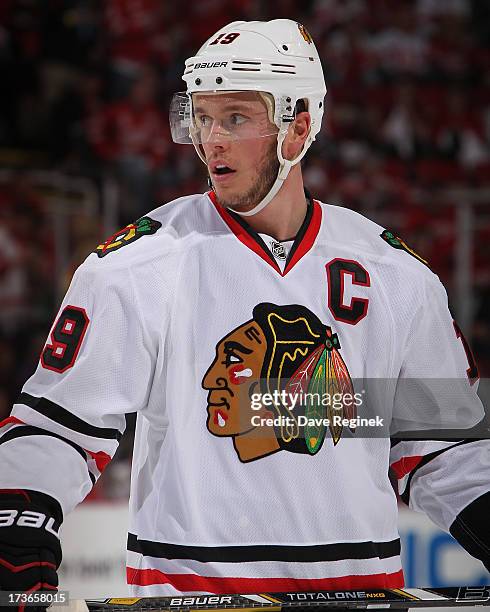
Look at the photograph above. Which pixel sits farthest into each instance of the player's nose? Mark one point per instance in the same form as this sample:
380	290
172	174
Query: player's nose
220	143
219	136
217	147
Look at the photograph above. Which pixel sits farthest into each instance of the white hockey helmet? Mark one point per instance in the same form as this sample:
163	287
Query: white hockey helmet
275	57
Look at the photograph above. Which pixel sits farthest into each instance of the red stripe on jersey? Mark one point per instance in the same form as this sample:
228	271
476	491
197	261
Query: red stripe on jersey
101	459
222	586
241	234
20	568
405	465
11	419
308	238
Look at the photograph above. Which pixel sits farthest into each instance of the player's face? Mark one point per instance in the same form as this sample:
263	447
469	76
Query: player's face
232	378
239	143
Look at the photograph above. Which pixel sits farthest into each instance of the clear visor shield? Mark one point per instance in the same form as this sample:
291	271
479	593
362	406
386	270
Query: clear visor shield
213	117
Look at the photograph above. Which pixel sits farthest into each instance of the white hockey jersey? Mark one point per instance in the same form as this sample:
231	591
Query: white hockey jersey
190	319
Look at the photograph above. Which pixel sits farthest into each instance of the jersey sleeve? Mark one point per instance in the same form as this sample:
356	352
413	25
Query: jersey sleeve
96	365
440	452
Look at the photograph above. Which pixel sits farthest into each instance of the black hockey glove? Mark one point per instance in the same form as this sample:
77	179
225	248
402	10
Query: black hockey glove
472	529
30	551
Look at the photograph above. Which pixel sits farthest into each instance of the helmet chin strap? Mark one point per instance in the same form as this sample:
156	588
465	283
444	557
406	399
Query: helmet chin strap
285	166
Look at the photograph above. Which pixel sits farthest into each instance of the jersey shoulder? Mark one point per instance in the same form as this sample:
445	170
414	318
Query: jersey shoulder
152	246
157	234
364	236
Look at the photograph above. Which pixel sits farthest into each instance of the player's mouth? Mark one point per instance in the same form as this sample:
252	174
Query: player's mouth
221	172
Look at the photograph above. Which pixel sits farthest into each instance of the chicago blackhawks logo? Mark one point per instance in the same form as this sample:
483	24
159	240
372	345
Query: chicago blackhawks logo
132	232
285	353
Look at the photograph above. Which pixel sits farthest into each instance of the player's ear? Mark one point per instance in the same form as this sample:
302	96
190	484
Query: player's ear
301	125
297	134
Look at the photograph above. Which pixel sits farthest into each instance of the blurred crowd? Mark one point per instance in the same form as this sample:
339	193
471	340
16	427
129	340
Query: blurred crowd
85	91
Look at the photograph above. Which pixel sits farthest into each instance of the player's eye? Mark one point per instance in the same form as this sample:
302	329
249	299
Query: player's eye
203	121
236	119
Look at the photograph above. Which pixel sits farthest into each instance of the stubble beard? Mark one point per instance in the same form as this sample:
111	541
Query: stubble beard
266	171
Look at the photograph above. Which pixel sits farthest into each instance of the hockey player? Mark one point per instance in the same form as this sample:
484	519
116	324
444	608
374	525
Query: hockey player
249	292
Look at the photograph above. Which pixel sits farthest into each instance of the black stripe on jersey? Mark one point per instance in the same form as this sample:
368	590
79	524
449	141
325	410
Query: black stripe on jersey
302	230
29	430
478	432
395	441
405	496
251	232
60	415
242	554
470	528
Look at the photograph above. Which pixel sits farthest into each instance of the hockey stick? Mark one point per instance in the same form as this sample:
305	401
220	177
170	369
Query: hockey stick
313	601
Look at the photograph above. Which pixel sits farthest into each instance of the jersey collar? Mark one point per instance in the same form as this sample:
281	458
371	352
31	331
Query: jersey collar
303	241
